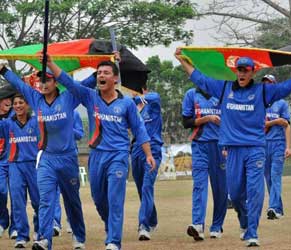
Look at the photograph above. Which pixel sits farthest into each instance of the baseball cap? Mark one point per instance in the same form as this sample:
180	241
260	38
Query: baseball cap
49	73
245	62
271	78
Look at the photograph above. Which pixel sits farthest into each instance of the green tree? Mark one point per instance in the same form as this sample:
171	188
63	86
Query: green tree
171	83
136	22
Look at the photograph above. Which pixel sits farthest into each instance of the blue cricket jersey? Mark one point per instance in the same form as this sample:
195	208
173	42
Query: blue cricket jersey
279	109
55	120
151	114
22	138
108	122
3	140
195	105
243	110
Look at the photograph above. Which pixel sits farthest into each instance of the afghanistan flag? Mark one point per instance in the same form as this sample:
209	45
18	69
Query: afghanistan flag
219	62
69	55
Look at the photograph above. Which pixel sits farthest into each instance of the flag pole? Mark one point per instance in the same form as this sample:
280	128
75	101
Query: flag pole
45	41
114	48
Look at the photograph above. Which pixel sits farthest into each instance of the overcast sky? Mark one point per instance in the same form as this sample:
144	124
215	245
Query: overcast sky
203	31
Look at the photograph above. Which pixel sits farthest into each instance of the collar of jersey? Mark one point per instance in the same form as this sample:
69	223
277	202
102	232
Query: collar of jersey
235	85
119	94
205	95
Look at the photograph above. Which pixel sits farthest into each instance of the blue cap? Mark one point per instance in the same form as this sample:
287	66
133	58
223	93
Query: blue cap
48	73
245	62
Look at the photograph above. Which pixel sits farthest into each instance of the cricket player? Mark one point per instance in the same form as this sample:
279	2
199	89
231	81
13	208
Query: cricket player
201	113
110	115
277	149
243	111
149	106
58	164
21	132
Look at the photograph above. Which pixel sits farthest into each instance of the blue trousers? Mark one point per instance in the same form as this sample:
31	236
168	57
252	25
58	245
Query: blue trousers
145	180
4	215
245	178
59	170
58	209
273	173
22	179
207	160
108	173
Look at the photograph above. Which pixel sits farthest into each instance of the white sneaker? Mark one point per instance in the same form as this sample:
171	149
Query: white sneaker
78	245
154	229
196	231
242	233
57	231
1	231
69	228
271	214
143	235
111	246
216	234
35	236
20	244
13	235
40	245
279	215
252	243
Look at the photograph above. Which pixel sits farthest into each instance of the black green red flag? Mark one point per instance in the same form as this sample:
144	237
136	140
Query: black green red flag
69	55
219	62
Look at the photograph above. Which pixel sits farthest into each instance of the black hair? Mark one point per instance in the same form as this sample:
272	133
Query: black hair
110	64
18	95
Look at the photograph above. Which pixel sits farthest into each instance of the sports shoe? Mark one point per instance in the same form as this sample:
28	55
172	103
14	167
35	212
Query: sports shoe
1	231
279	215
196	231
40	245
77	245
242	233
57	231
13	235
20	244
69	228
35	236
271	214
252	243
153	228
216	234
143	235
111	246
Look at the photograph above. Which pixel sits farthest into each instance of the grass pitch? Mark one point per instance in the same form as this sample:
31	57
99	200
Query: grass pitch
173	201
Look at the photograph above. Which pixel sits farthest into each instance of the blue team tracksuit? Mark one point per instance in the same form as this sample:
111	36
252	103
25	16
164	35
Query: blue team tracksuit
78	134
275	150
207	160
144	179
22	151
243	113
108	159
58	164
4	175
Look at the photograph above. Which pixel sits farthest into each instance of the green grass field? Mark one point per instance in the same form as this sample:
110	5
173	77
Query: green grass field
173	201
